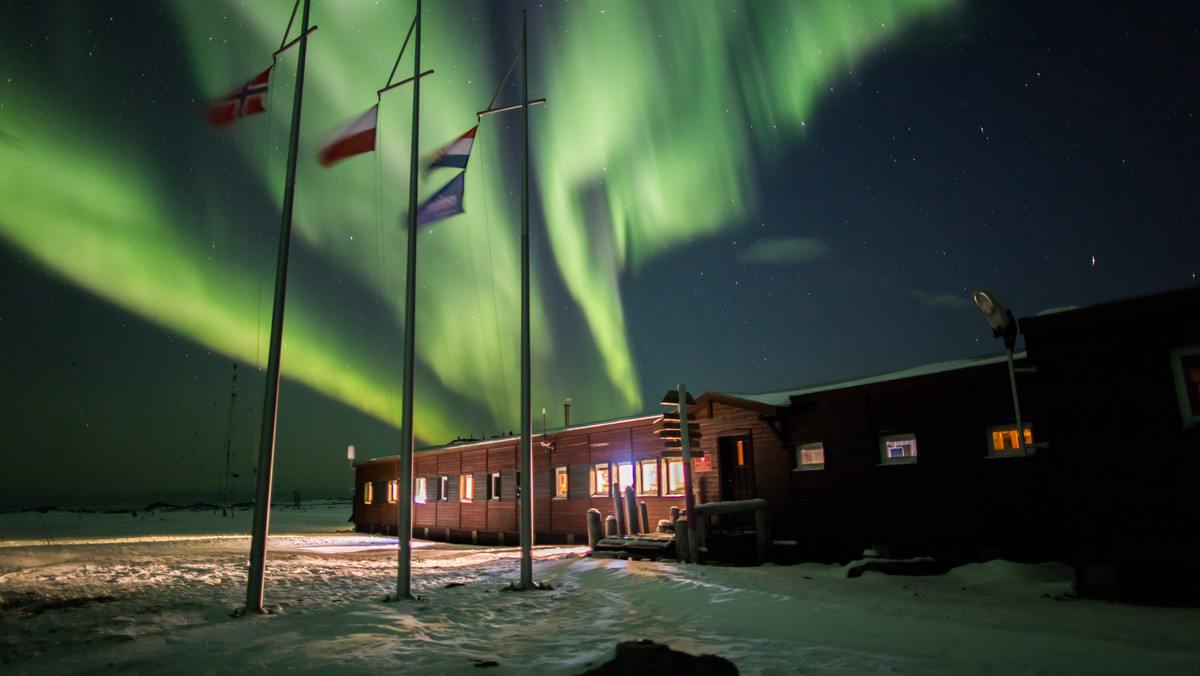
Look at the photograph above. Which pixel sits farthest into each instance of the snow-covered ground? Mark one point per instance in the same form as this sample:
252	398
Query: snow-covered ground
153	593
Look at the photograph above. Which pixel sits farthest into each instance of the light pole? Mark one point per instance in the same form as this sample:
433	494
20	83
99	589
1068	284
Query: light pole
1003	324
350	456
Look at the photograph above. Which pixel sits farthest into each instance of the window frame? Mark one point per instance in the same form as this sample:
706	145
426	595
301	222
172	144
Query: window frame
990	439
393	491
420	495
466	488
493	487
1188	416
596	469
885	459
562	482
443	488
617	466
368	492
666	484
640	477
798	464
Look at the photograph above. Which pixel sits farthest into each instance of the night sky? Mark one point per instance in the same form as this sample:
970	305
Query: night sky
743	196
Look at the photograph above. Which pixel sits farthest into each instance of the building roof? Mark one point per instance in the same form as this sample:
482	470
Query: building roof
784	397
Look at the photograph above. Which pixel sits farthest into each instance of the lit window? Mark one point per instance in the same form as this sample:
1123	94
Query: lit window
1003	441
393	491
741	453
368	493
648	477
1185	363
494	486
624	476
419	492
601	477
898	448
560	482
443	488
810	456
466	488
674	472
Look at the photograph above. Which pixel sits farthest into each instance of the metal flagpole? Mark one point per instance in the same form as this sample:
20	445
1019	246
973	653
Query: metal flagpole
526	423
526	394
266	443
404	504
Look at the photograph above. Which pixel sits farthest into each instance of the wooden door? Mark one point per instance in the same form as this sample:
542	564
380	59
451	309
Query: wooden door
736	458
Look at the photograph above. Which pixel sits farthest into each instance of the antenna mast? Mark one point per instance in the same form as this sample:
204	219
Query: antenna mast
229	443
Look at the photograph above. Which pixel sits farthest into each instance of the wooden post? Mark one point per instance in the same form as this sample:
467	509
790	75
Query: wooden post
593	527
689	486
682	547
762	533
618	509
631	512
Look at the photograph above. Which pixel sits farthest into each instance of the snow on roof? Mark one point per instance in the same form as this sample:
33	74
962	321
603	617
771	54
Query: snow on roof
783	398
1056	310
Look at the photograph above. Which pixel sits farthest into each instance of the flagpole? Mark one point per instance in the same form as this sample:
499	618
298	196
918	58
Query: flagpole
526	390
404	506
266	444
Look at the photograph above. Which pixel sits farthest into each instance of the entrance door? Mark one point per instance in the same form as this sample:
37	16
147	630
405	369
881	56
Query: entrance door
736	458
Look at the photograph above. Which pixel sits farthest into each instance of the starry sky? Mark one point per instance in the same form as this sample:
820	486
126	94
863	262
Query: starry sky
745	197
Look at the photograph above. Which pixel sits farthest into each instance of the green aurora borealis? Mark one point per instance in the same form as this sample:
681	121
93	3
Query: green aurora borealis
657	114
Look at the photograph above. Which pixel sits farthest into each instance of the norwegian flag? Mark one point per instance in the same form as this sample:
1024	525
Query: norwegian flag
243	101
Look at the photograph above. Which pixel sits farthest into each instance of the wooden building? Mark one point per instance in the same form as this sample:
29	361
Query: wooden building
468	492
1120	384
927	461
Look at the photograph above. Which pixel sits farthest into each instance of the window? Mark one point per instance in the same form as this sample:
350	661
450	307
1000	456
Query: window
443	488
560	482
466	488
625	477
393	491
1185	363
601	477
896	449
674	472
810	456
648	477
741	453
419	491
493	486
368	493
1003	442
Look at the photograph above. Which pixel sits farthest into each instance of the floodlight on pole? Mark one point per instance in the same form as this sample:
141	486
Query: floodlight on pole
1003	324
998	316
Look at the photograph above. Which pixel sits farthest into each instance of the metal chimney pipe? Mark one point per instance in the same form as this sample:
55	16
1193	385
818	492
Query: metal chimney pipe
567	412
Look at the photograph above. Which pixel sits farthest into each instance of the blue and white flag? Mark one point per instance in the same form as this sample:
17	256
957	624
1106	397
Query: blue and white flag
444	203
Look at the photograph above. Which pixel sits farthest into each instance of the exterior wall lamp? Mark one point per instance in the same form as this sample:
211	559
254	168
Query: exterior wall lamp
1004	325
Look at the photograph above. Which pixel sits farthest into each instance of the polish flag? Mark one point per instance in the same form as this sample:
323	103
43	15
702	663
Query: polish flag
358	138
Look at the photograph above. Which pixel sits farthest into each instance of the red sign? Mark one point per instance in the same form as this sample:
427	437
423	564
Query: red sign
703	464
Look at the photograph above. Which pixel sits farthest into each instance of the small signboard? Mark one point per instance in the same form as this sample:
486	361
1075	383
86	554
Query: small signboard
703	464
